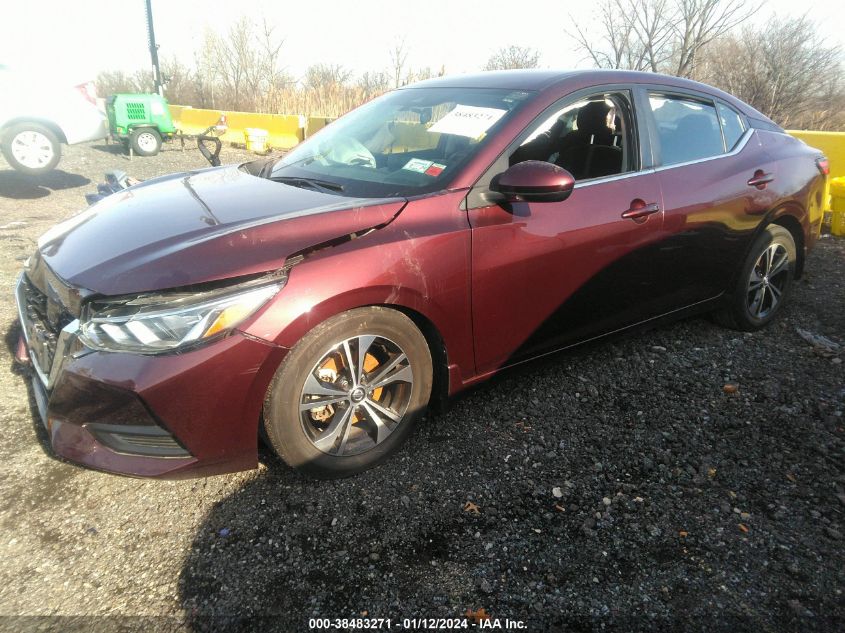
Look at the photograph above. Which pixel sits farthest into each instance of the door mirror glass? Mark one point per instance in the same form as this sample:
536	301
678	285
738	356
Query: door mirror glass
534	181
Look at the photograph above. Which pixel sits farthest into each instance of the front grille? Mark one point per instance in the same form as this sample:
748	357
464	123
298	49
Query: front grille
43	336
50	312
43	319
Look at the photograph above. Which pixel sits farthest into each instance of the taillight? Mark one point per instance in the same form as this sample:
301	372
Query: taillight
88	91
823	165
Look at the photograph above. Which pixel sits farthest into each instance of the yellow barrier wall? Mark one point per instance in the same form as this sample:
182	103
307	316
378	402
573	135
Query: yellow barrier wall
284	130
832	144
176	112
315	124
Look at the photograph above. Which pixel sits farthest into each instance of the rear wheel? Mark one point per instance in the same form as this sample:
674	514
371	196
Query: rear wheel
349	392
764	283
31	148
145	141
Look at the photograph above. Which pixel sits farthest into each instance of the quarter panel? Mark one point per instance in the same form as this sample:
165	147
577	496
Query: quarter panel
800	187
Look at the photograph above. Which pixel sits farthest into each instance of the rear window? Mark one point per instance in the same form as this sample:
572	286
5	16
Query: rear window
688	129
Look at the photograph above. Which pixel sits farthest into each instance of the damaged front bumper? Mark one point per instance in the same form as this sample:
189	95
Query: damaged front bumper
149	416
132	442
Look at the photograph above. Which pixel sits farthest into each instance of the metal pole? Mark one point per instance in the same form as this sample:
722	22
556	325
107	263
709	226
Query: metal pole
159	85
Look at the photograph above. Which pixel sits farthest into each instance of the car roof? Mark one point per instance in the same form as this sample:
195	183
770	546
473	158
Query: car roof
527	79
541	80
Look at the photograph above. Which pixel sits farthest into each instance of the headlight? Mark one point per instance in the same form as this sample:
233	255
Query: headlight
151	324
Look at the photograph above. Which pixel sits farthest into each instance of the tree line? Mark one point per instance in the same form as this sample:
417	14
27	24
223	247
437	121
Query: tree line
780	67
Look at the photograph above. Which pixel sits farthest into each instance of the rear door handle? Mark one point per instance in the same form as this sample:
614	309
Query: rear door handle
760	179
640	210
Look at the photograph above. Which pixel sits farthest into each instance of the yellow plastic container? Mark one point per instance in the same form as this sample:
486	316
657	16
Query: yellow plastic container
837	206
256	140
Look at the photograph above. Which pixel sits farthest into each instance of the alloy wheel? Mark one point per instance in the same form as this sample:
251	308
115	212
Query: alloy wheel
767	281
32	149
356	395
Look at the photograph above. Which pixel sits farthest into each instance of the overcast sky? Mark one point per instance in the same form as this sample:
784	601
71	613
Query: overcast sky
79	38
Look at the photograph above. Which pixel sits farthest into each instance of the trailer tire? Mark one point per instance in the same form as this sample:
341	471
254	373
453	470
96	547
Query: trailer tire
146	141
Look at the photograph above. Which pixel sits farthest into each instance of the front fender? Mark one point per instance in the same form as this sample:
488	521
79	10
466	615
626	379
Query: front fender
420	262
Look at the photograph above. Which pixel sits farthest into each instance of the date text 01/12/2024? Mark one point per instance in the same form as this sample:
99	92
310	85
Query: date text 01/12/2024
417	624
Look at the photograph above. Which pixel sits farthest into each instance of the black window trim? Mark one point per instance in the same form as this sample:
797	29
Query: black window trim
743	121
645	90
477	196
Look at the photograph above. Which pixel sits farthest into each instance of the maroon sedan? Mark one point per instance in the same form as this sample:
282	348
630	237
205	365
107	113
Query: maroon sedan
415	247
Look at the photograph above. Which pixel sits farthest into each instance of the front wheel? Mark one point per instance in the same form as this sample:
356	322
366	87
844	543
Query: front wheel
31	148
764	283
349	392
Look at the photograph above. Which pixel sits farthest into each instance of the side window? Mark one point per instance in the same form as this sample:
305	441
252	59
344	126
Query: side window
687	129
732	125
591	138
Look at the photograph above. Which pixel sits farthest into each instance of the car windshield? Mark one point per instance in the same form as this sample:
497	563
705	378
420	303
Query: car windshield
407	142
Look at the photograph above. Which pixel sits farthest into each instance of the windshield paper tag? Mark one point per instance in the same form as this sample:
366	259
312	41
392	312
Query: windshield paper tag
470	121
418	165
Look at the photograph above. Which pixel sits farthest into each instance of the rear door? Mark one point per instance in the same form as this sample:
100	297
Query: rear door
707	161
549	274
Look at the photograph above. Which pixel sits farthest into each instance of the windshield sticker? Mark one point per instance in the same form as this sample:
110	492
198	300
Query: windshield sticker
418	165
470	121
435	170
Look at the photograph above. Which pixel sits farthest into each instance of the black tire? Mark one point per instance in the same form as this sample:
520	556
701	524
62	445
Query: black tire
743	311
146	141
290	433
52	149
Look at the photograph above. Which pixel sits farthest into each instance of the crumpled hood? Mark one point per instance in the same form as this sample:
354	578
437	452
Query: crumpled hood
200	226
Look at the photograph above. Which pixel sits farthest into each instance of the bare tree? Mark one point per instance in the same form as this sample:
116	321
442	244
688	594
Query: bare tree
634	34
114	81
373	84
782	69
702	21
398	57
657	35
242	67
319	75
180	81
513	57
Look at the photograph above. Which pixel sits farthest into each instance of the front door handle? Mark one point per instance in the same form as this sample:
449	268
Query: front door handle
760	179
640	210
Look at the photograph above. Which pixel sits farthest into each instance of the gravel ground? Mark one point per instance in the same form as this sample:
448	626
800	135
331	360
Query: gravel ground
620	487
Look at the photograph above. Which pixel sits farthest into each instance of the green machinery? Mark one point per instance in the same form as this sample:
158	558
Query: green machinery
140	121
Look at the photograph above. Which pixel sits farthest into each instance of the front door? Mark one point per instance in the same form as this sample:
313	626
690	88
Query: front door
549	274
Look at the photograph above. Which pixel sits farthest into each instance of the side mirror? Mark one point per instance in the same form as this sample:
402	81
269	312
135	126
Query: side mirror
534	181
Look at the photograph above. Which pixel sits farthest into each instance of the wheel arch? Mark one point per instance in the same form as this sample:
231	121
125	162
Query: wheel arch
792	224
439	354
403	300
789	216
50	125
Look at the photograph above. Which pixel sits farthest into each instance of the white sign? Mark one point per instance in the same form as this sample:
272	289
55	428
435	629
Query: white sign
465	120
